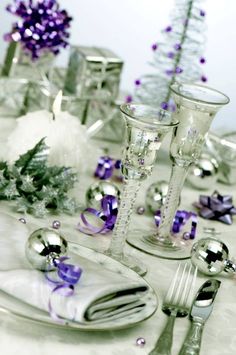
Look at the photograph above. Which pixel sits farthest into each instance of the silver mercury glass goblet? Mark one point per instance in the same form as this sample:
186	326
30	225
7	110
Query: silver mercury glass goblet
145	128
196	106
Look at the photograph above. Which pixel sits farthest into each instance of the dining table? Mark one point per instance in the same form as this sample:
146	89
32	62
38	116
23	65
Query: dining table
19	335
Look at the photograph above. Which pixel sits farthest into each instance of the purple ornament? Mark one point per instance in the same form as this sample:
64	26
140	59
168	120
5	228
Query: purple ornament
202	13
22	220
137	82
202	60
203	78
43	27
140	210
168	29
128	99
56	224
169	72
154	46
177	47
170	55
178	70
140	341
164	105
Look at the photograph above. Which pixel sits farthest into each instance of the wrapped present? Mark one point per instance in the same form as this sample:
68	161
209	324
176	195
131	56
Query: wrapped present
93	73
224	149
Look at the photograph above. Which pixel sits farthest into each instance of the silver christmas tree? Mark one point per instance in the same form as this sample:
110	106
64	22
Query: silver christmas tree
179	57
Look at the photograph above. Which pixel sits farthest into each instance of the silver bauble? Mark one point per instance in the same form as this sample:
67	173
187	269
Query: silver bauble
98	190
204	173
43	244
156	195
210	255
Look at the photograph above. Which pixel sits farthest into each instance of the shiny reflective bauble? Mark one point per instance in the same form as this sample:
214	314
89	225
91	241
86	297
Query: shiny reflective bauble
156	195
98	190
204	173
43	245
210	255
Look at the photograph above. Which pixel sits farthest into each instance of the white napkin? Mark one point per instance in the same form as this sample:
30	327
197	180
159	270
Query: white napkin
100	295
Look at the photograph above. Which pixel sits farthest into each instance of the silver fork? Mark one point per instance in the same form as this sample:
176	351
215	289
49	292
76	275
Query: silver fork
175	304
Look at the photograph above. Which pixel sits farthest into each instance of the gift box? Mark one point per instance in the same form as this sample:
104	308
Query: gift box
224	149
18	64
93	73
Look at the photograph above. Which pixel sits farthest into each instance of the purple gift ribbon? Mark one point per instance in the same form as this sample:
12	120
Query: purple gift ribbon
68	276
180	220
106	166
108	216
217	207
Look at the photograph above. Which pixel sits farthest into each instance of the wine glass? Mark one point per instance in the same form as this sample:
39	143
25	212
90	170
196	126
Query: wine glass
145	128
196	106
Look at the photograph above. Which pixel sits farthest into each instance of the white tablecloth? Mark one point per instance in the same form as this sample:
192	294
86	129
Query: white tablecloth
219	337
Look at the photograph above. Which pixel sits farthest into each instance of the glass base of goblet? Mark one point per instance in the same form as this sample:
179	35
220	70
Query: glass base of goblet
130	261
151	243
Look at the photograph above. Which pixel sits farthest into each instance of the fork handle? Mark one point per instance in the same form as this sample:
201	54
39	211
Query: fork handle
164	342
193	339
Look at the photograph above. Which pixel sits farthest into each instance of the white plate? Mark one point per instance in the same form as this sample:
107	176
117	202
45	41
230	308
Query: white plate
19	309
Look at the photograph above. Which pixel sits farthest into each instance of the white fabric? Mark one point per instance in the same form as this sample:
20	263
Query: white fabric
100	295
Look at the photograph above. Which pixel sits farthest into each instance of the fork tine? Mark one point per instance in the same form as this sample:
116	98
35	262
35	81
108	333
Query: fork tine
186	287
180	286
190	289
170	293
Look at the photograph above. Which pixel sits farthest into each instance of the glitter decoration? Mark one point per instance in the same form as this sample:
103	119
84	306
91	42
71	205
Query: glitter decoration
56	224
43	27
140	341
179	56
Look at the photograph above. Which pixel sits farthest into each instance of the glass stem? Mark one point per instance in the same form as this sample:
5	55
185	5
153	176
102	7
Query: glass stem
128	198
168	211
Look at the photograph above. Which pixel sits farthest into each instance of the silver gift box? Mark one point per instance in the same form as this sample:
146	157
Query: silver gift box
93	73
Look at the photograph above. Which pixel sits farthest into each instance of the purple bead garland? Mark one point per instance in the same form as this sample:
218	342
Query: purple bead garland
43	28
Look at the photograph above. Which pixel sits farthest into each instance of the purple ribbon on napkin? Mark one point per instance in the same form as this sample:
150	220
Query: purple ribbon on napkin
107	215
106	166
216	207
68	275
180	220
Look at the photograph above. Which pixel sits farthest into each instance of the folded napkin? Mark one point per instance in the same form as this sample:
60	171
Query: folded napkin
101	295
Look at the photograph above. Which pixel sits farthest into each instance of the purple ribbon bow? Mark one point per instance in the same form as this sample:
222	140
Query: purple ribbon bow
107	215
216	207
106	167
68	275
180	220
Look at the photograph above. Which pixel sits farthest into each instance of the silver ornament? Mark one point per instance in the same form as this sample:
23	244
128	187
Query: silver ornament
204	173
98	190
44	245
156	195
210	255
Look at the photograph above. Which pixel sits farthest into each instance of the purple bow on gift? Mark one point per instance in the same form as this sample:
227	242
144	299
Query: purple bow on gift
180	220
217	207
108	216
106	167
